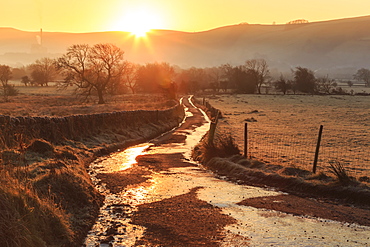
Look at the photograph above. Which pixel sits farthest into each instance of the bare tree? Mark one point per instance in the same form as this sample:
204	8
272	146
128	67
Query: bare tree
239	79
282	85
25	80
130	76
92	69
197	79
226	76
363	75
155	77
325	85
214	77
194	79
43	71
5	76
259	69
299	21
19	72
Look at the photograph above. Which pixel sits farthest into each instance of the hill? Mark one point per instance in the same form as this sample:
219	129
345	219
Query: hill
337	47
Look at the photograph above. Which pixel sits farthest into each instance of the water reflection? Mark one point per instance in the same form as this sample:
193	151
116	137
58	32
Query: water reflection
121	160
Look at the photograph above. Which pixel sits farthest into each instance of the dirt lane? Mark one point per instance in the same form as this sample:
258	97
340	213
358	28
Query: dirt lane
182	220
185	219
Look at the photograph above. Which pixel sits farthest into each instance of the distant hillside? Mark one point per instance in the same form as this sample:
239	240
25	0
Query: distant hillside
337	47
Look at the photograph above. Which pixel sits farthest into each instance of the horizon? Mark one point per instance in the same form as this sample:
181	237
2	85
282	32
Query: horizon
173	30
319	45
139	16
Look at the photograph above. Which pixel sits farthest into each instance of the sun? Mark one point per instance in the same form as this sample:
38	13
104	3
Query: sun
139	21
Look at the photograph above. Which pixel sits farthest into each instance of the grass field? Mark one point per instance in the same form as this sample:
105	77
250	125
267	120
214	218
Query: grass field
51	101
283	129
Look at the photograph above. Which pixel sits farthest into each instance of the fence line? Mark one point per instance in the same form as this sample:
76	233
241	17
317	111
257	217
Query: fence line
282	147
293	146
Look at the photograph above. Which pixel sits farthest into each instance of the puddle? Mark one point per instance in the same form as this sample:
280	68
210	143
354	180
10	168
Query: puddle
119	161
255	227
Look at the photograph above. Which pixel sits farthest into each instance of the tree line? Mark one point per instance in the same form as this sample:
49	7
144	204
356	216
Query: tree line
101	69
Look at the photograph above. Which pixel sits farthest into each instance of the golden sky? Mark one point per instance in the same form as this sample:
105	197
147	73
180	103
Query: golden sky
182	15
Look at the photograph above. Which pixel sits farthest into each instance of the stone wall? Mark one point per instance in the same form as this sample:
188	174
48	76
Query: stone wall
16	130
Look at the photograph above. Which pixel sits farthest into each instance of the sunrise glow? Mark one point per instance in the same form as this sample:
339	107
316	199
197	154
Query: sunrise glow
139	21
191	15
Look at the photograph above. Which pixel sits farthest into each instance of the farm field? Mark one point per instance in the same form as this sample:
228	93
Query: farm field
283	129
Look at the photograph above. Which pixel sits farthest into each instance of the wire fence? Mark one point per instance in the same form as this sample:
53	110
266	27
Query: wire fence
297	147
275	137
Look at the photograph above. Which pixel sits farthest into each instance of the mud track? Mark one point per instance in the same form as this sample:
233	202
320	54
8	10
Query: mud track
185	220
181	220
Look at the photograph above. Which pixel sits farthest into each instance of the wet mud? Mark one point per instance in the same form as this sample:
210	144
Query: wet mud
310	207
182	220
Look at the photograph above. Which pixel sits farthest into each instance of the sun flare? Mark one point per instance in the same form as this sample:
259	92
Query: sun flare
139	22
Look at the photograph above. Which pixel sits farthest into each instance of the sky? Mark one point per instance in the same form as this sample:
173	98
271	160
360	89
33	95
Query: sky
181	15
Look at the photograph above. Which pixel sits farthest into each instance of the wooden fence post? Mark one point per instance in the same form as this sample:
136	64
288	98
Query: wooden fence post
211	134
246	140
317	150
212	129
217	116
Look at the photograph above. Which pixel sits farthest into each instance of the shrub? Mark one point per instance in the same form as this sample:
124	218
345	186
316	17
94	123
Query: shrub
9	90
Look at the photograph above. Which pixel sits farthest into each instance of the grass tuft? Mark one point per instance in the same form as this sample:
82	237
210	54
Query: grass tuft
341	173
27	220
223	146
40	146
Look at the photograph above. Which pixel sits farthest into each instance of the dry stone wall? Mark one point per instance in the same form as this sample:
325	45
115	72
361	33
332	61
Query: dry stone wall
16	130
